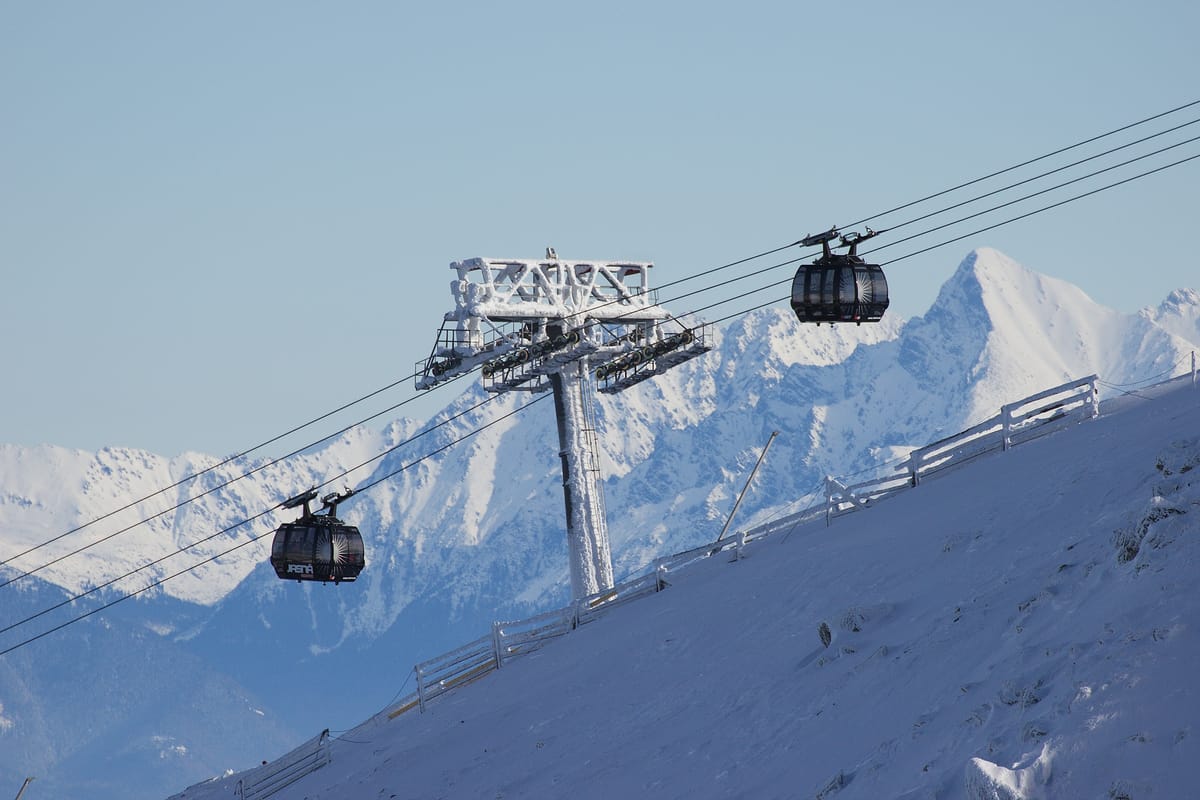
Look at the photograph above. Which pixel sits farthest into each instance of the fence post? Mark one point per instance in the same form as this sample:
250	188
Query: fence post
1006	425
323	753
914	467
420	688
1094	398
496	644
660	577
828	500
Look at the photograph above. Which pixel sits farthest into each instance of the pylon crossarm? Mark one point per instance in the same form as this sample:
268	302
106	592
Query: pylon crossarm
633	364
459	349
520	289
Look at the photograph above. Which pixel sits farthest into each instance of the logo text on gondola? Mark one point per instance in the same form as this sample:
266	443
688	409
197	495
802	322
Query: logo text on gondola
301	569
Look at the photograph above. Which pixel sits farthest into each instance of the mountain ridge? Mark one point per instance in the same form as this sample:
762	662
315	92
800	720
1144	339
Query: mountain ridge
996	331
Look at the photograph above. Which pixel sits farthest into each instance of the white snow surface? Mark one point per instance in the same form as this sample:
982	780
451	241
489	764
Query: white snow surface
1019	628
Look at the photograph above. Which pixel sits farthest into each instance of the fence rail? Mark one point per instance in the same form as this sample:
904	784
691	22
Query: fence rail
524	636
456	668
1022	421
284	771
975	441
262	782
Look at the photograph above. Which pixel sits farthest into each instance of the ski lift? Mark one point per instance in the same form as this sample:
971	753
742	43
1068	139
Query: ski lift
318	547
839	287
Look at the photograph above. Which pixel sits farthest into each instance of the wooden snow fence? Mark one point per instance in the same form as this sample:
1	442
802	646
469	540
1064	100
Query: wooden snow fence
1019	422
508	640
459	667
268	779
262	782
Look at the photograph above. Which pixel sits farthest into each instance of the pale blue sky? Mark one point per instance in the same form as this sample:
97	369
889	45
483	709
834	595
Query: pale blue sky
219	220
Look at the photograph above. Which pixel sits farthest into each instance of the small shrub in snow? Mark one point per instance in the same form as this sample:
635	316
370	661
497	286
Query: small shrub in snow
1129	541
832	786
1012	694
853	620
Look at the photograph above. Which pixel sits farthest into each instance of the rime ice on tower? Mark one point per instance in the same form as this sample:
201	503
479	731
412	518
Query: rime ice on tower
571	327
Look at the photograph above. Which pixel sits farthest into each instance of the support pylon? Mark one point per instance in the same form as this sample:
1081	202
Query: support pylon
554	324
587	528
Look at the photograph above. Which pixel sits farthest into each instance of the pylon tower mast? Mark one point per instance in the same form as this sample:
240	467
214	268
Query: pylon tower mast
571	327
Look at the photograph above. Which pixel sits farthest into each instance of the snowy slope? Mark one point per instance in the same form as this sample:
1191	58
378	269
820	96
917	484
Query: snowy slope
1023	627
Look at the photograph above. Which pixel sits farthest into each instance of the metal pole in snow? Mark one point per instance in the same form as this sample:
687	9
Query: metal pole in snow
761	456
1193	368
496	645
23	785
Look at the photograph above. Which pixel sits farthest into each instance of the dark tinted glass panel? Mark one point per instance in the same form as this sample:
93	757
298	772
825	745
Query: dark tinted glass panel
300	544
798	286
354	550
879	286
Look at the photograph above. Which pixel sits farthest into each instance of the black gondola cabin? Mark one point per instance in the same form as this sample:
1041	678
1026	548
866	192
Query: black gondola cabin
317	547
837	287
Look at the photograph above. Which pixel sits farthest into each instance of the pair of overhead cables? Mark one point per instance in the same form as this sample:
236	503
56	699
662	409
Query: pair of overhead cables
674	283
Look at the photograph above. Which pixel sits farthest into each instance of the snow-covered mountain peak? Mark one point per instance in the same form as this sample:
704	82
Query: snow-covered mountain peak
1181	299
1002	327
775	337
1012	295
1178	314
